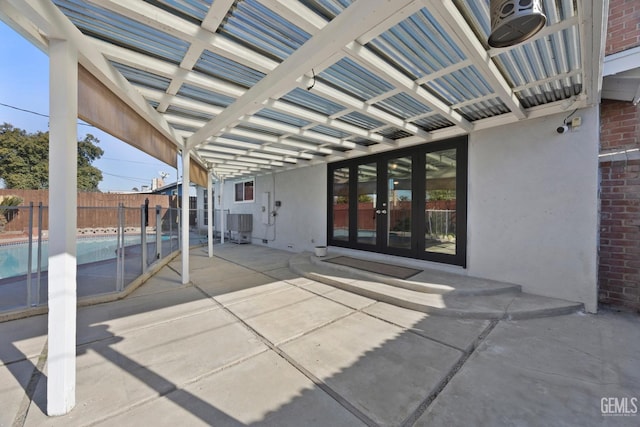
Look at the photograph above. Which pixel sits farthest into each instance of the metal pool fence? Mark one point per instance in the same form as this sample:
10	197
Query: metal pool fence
114	246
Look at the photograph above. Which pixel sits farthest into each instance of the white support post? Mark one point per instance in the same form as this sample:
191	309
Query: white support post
185	216
210	213
223	218
63	163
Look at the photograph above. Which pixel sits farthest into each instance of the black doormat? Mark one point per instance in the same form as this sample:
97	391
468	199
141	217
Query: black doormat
375	267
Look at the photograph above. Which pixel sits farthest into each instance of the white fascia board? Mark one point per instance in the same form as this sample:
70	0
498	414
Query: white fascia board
621	61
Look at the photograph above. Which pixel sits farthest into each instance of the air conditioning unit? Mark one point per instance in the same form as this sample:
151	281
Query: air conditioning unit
240	227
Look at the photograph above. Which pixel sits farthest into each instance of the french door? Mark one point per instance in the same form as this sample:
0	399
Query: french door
408	202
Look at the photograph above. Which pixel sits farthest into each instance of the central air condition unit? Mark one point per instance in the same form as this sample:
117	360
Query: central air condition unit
240	227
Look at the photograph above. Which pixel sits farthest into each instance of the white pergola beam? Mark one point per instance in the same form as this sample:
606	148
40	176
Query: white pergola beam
450	18
361	16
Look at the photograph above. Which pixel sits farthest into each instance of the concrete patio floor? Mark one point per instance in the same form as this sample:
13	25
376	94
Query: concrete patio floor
251	343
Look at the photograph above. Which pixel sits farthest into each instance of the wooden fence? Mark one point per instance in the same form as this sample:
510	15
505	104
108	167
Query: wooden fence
95	210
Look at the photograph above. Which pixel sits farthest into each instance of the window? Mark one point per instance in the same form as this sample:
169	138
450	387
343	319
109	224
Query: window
244	191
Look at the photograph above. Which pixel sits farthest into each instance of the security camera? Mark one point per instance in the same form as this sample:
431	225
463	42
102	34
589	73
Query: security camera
562	129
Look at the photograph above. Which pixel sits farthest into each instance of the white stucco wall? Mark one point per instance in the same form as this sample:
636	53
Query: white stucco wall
533	206
300	223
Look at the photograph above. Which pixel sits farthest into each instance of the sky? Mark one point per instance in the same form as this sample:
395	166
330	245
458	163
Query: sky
24	84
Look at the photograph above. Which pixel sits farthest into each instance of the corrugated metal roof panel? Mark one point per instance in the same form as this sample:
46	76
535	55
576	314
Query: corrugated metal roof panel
239	138
226	69
311	101
282	117
121	31
191	10
204	95
418	45
363	141
142	78
360	120
262	30
330	131
459	86
355	80
257	128
394	133
190	114
558	53
328	9
432	123
483	109
403	105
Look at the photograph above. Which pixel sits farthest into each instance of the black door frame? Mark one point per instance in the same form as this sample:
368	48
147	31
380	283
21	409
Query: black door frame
418	228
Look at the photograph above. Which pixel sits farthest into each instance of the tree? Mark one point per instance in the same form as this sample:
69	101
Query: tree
24	160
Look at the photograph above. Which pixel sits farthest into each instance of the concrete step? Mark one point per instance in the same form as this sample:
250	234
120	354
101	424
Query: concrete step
428	281
509	303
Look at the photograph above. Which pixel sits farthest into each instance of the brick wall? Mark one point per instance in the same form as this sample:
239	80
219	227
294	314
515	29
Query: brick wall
619	262
623	29
619	126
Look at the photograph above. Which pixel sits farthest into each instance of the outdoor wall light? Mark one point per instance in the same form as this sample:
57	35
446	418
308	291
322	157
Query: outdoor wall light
514	21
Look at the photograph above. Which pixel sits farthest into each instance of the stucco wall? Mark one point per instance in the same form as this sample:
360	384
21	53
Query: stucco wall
300	223
533	206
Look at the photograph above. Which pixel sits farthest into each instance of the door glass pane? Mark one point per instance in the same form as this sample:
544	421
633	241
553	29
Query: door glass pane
341	204
440	209
367	193
399	203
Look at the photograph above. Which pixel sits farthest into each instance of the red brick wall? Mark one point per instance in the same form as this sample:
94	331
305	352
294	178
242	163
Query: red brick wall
619	126
619	264
623	29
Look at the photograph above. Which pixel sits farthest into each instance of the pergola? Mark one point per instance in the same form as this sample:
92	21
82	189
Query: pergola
250	87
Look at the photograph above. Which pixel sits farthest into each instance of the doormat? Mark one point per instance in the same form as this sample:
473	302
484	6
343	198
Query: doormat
375	267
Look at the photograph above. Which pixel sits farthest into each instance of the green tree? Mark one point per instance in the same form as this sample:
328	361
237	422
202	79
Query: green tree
24	160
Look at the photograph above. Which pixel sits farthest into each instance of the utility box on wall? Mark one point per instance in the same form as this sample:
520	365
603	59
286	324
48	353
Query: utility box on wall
265	213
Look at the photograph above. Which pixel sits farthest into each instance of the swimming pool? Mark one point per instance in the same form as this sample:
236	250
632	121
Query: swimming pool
14	257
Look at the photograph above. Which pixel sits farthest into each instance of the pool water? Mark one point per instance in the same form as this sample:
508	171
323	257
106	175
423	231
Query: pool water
14	258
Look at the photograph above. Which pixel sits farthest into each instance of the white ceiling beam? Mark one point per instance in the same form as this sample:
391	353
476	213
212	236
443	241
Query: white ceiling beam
358	18
593	35
173	25
452	20
358	51
395	77
24	22
354	104
196	106
164	69
216	14
320	119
